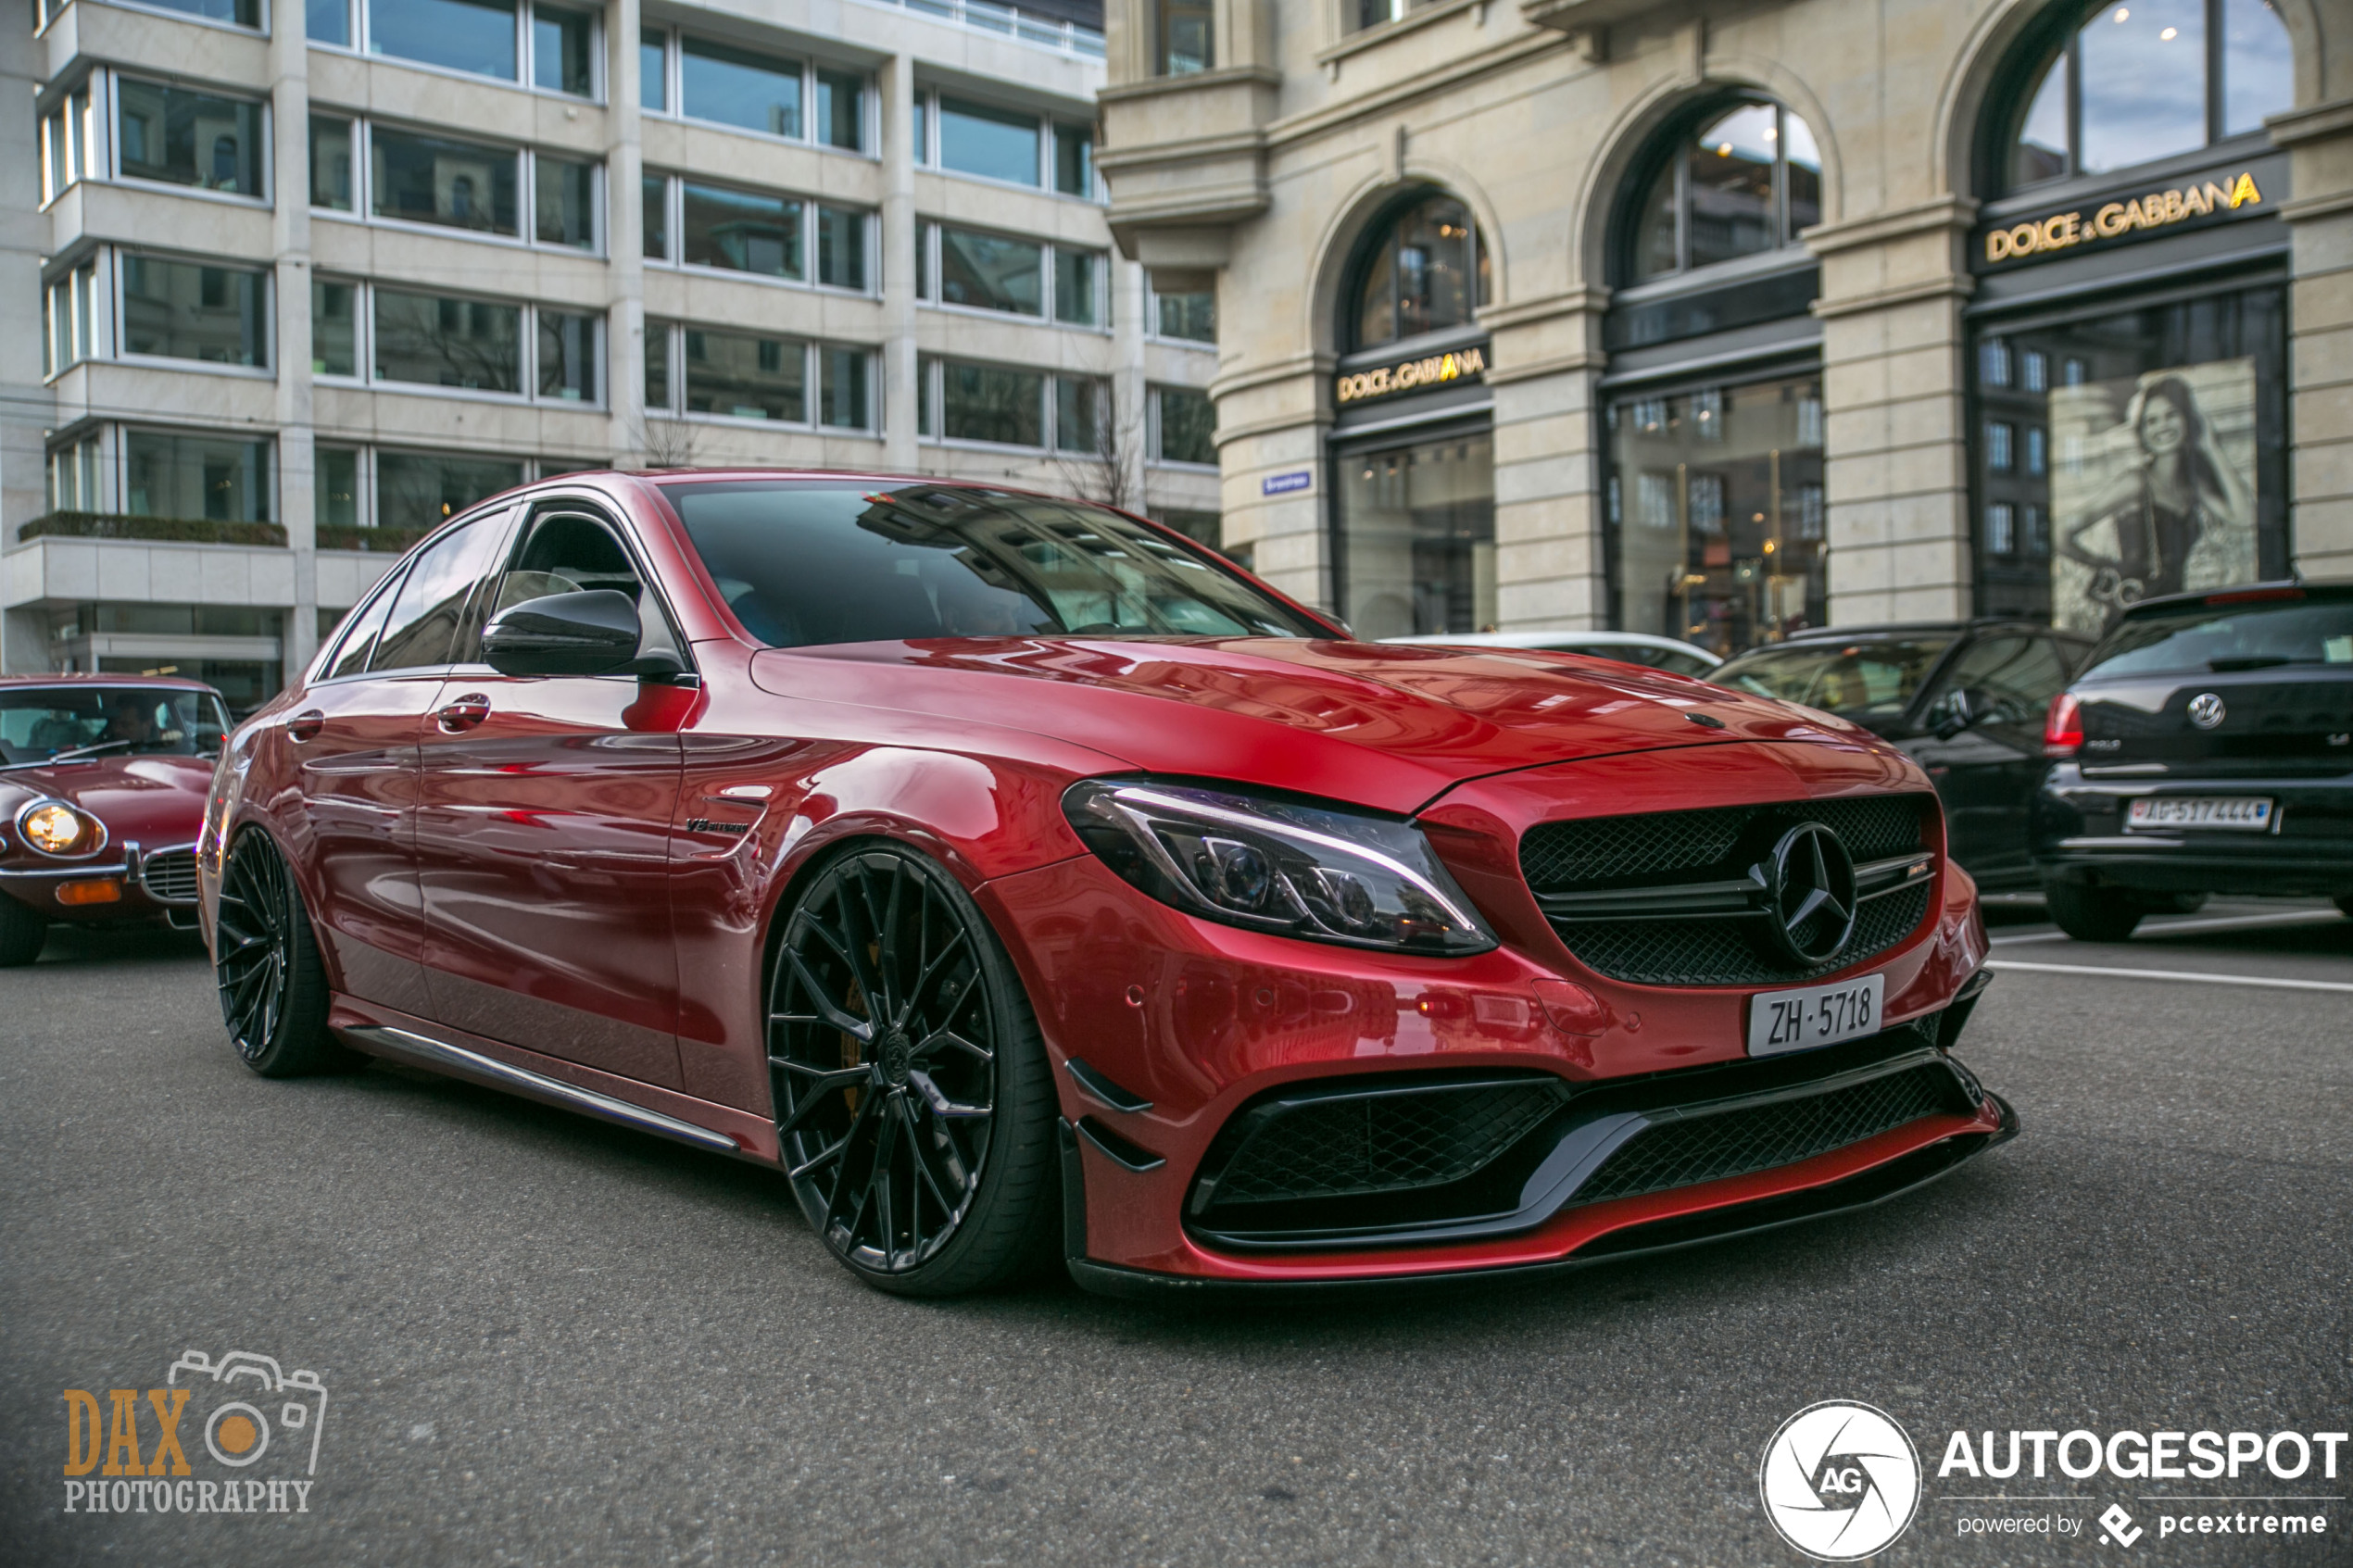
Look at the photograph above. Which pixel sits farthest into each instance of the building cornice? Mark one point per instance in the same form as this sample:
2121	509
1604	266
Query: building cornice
1486	62
1944	212
1956	285
1591	300
2314	124
1196	82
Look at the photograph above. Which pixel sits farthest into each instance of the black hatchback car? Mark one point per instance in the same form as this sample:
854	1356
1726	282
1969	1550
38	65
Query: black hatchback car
1965	699
2206	747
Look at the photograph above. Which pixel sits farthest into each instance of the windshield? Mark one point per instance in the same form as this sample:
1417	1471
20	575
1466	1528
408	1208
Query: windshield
1877	675
805	564
40	724
2194	639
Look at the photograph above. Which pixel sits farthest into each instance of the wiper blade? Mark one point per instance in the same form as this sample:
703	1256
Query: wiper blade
77	753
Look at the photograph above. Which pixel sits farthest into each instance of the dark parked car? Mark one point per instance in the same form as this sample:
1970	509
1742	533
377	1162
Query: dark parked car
1965	699
2206	747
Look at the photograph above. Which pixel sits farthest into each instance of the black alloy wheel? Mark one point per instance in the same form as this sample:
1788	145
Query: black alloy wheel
914	1102
274	989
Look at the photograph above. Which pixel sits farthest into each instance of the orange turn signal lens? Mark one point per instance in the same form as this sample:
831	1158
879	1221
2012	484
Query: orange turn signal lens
97	890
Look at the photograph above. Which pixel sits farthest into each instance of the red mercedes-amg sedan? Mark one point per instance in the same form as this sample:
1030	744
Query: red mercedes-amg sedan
1025	882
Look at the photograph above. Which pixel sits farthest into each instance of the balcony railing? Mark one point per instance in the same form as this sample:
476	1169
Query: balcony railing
375	541
164	530
1051	32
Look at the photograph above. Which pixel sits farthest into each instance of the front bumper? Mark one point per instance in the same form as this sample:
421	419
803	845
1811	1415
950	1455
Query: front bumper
137	885
2080	836
1163	1028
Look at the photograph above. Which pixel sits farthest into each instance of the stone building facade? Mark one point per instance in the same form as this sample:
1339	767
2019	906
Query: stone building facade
282	284
1721	319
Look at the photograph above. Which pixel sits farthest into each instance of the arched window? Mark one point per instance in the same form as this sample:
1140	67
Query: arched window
2145	80
1733	181
1422	270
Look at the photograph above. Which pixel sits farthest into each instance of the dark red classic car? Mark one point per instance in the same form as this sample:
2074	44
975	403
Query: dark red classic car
102	791
1017	878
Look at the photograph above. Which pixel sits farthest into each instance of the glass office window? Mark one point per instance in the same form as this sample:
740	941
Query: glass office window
436	340
566	355
423	489
328	21
995	143
653	70
992	403
217	478
737	87
567	201
562	51
842	400
740	230
1187	426
1074	160
841	248
746	376
1192	317
188	138
1082	410
185	310
658	365
244	12
1181	40
1076	298
330	162
475	36
991	272
655	196
841	109
335	486
334	328
440	179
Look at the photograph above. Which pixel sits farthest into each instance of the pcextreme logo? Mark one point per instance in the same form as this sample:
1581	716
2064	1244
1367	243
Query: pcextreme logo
235	1412
1840	1480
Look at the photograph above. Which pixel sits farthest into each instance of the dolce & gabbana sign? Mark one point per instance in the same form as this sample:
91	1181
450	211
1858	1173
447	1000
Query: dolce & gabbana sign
1452	368
2131	215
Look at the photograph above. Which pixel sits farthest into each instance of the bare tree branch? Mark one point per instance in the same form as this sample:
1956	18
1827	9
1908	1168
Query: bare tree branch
1105	474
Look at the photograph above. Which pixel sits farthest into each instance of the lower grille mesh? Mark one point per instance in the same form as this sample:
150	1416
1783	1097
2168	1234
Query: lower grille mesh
1703	952
1387	1142
1738	1143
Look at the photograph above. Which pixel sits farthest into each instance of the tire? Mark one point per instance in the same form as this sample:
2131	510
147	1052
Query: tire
2093	914
914	1104
274	989
22	932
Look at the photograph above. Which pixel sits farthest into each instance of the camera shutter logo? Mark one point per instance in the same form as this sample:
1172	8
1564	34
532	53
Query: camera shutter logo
2207	710
1840	1480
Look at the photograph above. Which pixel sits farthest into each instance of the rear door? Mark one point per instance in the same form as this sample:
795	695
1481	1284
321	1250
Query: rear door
544	829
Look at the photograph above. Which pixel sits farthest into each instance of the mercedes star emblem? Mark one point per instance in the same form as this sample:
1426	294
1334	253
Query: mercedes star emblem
1810	879
2207	710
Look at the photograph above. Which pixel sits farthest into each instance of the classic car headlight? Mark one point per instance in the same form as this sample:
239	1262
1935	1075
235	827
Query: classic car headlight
1277	865
55	828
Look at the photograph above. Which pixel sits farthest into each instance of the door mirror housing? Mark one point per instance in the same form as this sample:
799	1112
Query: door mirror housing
594	631
1954	713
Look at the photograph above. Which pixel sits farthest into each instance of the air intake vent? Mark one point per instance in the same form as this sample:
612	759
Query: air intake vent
171	877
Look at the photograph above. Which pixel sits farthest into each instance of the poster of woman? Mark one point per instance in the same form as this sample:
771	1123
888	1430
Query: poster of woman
2154	489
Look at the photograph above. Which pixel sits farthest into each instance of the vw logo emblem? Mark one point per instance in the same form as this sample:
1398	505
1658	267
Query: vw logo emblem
2207	710
1810	882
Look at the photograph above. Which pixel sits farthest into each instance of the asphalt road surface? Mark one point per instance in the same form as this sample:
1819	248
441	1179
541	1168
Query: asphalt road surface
544	1340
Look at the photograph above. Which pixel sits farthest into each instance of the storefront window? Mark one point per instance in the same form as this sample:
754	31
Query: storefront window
1716	519
1418	537
2147	456
1745	180
1423	273
2148	80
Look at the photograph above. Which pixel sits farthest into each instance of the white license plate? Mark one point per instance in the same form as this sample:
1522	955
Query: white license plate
1818	1015
2249	813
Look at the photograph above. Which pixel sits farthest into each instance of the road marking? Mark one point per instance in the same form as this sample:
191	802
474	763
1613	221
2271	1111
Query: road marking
2173	974
2221	922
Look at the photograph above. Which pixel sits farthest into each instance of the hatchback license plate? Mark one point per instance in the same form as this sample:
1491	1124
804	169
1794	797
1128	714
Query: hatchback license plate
2247	813
1818	1015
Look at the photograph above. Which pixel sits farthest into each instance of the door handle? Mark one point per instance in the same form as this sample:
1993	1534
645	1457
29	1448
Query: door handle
464	713
306	724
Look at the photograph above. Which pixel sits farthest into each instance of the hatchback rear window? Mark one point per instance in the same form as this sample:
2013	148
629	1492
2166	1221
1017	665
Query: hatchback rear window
2216	639
805	564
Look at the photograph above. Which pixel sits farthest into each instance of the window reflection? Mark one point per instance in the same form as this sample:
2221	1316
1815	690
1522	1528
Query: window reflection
1424	272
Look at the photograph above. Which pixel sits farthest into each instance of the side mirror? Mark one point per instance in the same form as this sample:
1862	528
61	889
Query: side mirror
1955	714
590	632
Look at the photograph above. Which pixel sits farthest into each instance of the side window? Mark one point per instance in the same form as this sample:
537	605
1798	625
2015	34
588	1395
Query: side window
432	601
569	552
2018	675
359	634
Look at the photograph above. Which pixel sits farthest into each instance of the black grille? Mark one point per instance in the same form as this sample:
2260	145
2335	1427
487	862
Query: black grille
1402	1142
1736	1143
1668	848
170	876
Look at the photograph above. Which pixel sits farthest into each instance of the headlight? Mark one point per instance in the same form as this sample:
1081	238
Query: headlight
1275	865
55	828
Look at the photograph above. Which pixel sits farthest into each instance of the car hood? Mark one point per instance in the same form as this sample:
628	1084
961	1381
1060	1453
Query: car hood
1389	726
157	802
